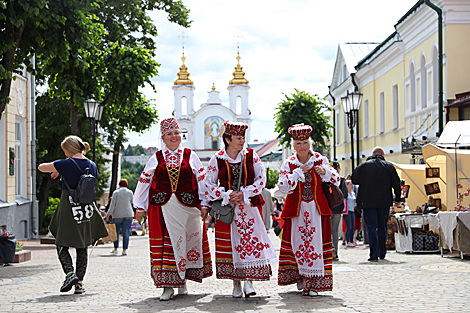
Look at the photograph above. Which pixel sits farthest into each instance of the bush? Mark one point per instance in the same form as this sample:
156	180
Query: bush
53	203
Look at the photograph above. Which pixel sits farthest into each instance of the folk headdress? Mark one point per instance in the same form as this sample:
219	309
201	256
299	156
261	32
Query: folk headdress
168	124
235	128
300	131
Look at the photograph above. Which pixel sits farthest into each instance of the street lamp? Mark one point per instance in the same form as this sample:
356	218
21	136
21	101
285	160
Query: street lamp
351	104
93	111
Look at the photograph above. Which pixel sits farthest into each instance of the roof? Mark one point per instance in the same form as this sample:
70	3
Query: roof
455	134
379	49
267	147
353	52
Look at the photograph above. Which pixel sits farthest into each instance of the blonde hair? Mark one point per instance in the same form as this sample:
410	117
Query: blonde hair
75	144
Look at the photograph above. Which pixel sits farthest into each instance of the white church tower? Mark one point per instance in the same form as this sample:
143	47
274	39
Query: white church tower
238	91
184	93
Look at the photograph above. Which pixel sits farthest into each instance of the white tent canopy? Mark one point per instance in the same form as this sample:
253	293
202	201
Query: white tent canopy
456	134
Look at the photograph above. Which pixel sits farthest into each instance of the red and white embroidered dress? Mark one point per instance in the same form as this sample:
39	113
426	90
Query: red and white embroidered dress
306	249
179	247
243	249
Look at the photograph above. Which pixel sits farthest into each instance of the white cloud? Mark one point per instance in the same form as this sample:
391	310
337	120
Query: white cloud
283	45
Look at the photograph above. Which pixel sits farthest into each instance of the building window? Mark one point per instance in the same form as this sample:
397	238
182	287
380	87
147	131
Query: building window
337	128
184	106
366	118
3	156
435	76
423	82
382	113
345	127
18	159
238	108
395	106
412	88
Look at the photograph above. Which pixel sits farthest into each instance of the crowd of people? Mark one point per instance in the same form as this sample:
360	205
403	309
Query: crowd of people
175	193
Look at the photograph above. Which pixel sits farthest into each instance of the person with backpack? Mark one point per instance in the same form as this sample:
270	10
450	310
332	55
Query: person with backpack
76	222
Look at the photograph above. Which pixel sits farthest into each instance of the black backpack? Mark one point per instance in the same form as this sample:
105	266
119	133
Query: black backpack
85	192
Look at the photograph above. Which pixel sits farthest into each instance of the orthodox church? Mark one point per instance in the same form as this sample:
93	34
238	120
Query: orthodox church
202	128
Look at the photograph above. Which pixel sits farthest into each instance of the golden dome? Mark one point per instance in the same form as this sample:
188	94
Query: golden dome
183	74
238	75
213	86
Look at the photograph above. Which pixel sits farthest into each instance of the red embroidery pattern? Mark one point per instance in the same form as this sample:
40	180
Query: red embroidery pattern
178	243
144	178
217	193
220	153
172	159
292	158
211	168
201	170
188	238
193	255
257	160
201	177
182	265
306	253
248	245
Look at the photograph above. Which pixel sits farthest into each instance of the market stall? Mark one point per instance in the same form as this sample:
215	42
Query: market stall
414	233
414	177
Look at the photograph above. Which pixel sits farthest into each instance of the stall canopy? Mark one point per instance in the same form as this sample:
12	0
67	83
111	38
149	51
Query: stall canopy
450	172
456	134
414	176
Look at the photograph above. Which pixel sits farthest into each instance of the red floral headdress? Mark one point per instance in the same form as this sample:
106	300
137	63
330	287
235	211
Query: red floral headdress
168	124
235	128
300	131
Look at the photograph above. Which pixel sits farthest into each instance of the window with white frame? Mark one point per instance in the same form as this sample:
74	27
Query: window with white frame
395	106
382	113
3	161
18	159
345	128
424	100
435	76
184	106
337	127
366	118
412	88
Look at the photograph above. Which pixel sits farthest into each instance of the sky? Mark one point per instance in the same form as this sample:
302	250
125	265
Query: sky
283	45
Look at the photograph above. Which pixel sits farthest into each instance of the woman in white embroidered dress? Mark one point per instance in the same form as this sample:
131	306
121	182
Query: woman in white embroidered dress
171	188
306	252
243	249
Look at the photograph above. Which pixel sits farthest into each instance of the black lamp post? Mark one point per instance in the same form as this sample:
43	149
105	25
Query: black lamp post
351	104
93	111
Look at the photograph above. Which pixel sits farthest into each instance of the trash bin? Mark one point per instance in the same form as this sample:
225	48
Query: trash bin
7	248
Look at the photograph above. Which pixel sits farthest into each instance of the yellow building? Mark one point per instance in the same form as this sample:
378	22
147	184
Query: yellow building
18	205
399	82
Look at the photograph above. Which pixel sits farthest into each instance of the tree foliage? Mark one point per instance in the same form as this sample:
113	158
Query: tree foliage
301	107
273	177
131	172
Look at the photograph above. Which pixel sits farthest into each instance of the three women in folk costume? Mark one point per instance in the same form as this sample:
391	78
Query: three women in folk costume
243	249
171	189
175	190
306	251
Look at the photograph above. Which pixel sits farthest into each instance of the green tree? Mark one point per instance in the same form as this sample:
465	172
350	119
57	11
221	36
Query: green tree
273	177
301	107
131	172
138	150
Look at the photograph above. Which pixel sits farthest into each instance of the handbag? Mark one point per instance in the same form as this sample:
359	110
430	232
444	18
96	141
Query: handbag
333	194
112	235
226	212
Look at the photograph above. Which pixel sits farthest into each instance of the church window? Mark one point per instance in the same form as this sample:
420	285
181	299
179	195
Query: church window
239	106
184	106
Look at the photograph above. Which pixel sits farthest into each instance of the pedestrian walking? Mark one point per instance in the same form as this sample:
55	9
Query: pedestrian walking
350	217
123	214
306	251
337	212
243	249
171	189
73	224
376	177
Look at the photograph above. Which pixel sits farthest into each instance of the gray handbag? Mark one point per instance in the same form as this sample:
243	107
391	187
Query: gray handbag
225	213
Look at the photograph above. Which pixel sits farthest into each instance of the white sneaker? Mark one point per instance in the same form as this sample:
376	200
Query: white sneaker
183	290
312	293
167	294
124	252
300	285
248	289
237	289
115	252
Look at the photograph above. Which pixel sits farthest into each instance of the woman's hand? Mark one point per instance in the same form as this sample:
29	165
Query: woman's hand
304	168
236	197
54	175
107	219
204	213
139	215
320	170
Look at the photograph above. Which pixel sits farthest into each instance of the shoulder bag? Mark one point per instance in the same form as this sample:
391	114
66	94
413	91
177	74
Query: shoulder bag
226	212
333	194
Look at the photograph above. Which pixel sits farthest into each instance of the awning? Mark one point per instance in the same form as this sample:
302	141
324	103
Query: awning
455	134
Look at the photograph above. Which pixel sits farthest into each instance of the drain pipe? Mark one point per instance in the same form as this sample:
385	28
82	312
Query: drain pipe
356	88
441	81
334	123
34	203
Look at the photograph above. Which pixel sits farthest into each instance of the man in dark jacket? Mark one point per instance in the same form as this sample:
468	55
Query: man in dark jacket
375	178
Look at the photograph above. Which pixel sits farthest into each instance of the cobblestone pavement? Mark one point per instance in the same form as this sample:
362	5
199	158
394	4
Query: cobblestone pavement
401	282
